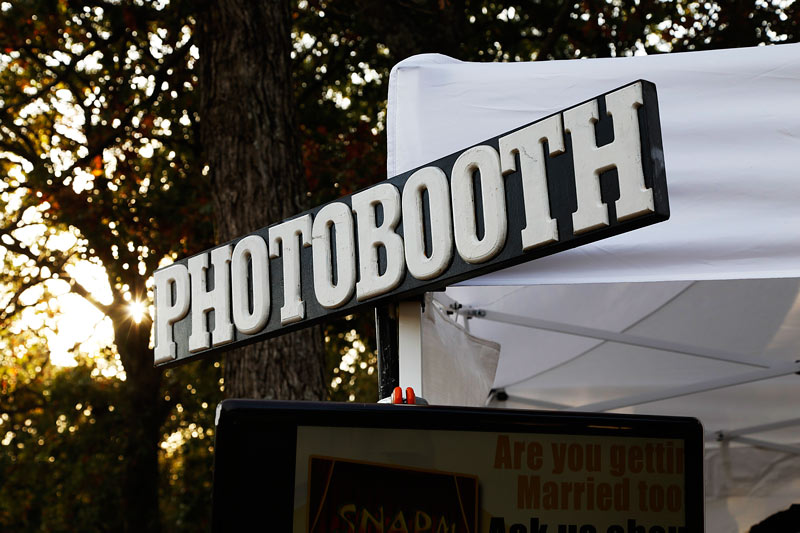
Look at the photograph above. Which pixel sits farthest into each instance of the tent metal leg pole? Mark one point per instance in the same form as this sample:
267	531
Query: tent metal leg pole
386	326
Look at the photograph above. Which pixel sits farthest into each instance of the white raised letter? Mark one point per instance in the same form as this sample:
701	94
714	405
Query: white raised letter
433	180
371	236
168	309
485	160
624	153
635	198
338	215
540	227
253	249
285	236
217	299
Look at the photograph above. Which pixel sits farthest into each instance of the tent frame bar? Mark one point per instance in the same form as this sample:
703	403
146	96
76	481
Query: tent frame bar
621	338
786	448
761	428
694	388
721	436
703	386
541	404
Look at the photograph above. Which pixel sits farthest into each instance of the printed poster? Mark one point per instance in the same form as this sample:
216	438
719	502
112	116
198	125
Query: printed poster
359	480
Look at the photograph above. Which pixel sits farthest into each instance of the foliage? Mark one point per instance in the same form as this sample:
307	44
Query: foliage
187	445
63	439
60	426
351	360
101	182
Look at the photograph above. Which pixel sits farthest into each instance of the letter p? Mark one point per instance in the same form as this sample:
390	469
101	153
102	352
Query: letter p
172	304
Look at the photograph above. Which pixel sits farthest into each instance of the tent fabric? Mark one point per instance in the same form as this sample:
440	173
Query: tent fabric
746	485
731	132
722	275
473	371
755	319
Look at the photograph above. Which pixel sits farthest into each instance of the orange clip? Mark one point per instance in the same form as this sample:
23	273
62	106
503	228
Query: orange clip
411	398
397	395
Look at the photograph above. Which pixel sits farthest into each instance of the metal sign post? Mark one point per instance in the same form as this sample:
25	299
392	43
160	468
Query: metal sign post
388	356
399	339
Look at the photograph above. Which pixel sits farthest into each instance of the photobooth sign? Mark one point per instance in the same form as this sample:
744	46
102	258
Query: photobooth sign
587	173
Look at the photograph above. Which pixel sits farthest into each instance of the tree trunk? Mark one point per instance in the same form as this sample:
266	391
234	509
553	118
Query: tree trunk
140	408
249	137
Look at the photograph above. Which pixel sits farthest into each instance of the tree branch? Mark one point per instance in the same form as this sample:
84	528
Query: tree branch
7	313
58	76
76	287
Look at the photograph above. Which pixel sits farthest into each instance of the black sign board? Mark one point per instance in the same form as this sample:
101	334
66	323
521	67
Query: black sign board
587	173
308	467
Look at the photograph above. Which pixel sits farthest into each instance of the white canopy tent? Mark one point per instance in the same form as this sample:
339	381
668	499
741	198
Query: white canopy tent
698	315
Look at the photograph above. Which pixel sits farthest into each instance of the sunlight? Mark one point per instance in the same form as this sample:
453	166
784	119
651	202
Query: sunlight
78	327
68	322
172	443
137	311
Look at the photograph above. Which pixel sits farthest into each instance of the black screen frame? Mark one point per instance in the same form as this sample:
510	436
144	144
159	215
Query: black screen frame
255	448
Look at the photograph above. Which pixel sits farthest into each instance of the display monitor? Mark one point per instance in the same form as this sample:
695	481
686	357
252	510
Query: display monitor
353	468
